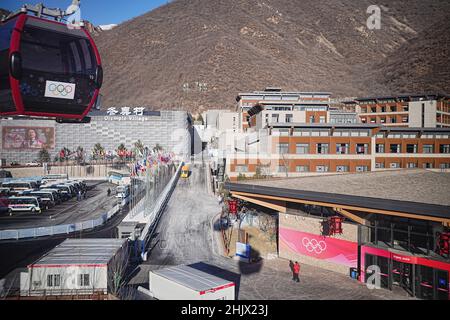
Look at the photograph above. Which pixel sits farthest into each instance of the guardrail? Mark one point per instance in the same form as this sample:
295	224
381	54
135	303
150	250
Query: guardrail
58	229
157	211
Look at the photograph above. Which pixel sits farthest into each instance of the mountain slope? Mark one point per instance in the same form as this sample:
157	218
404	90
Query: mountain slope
421	65
197	54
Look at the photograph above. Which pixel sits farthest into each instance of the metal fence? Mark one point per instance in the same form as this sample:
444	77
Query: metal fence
58	229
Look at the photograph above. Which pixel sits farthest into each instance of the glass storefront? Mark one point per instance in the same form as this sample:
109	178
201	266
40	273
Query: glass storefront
418	280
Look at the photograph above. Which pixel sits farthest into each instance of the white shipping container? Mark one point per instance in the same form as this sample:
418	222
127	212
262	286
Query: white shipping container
187	283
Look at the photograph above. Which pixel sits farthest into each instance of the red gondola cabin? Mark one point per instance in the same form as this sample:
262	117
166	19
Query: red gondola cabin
47	69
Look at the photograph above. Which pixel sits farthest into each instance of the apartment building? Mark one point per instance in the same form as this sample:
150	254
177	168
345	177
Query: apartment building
430	110
281	106
296	149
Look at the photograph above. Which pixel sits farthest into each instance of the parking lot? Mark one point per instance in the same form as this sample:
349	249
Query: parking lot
96	203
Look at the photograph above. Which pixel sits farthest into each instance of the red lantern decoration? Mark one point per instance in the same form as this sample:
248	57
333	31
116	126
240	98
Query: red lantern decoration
232	206
443	243
335	225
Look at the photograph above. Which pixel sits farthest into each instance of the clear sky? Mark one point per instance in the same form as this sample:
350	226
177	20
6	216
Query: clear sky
96	11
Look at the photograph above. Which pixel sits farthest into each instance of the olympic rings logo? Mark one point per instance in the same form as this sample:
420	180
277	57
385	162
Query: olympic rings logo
312	245
59	89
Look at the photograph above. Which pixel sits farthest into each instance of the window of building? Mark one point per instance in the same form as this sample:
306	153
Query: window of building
83	280
283	148
341	168
342	148
383	109
379	148
395	148
302	168
53	280
393	120
321	168
362	148
445	165
322	119
361	168
379	165
411	148
393	109
241	168
405	108
383	120
282	169
302	148
427	165
405	119
311	119
280	132
411	165
275	117
394	165
428	148
444	148
289	117
322	148
305	133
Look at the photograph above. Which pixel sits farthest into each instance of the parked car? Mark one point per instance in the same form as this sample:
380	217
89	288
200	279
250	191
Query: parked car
56	194
66	193
32	164
5	174
4	202
5	192
47	199
30	204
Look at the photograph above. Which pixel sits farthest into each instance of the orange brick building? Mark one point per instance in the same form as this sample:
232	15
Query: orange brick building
293	149
429	110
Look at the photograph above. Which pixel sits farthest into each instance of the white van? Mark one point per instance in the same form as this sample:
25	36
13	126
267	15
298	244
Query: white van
30	204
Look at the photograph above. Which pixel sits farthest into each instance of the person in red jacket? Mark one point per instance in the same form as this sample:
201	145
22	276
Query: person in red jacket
296	271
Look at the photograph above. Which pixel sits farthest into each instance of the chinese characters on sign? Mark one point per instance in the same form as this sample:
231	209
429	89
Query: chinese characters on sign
196	86
125	113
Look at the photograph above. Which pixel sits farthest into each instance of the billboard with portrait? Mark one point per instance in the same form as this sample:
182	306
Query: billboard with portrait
23	138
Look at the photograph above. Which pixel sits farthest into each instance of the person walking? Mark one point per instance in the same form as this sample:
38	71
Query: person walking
291	266
109	192
296	271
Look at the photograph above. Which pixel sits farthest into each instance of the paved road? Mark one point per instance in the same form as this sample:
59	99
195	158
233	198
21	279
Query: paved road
183	234
70	211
